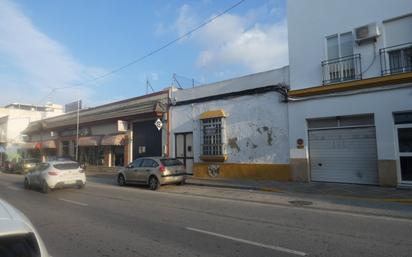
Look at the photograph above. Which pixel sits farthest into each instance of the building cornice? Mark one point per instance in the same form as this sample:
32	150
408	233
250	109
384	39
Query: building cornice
353	85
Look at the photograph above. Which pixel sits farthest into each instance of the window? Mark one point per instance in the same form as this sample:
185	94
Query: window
171	162
339	45
67	166
400	60
65	148
212	143
19	245
341	64
137	163
149	163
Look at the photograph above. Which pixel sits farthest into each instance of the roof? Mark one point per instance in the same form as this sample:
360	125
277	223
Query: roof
253	81
125	108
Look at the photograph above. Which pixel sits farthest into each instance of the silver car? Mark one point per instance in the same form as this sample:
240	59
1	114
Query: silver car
18	237
153	171
55	174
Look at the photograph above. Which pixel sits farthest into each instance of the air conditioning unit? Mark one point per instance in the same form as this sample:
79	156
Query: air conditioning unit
366	33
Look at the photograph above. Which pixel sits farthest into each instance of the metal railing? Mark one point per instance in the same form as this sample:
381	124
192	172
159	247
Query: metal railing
396	59
342	69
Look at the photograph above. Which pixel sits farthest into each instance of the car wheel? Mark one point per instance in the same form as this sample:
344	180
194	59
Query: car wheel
154	183
44	187
121	181
26	184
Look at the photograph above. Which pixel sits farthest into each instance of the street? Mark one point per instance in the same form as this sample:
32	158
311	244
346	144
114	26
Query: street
107	220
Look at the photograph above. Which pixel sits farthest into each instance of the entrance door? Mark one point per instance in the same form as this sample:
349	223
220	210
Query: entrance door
184	149
404	135
346	155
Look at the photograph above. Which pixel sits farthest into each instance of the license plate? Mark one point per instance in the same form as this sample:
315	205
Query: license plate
70	182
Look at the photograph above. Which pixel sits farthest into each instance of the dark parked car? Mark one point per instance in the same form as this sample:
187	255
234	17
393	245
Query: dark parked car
27	165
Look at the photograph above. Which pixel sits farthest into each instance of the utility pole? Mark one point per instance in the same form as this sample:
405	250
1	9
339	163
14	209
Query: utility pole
77	130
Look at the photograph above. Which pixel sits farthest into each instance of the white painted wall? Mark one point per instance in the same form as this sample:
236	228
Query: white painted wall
257	80
18	120
382	104
309	22
259	122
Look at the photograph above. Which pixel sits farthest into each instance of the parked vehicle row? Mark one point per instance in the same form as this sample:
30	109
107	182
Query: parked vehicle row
63	173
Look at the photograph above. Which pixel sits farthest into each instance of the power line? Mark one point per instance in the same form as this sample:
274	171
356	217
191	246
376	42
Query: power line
109	73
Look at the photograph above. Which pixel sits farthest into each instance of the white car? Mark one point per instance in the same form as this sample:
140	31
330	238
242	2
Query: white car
55	174
18	237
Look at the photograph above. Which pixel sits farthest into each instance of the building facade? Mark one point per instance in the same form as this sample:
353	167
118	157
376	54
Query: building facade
235	128
14	119
350	103
106	136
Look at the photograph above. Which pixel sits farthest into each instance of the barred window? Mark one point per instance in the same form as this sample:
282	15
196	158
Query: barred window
212	136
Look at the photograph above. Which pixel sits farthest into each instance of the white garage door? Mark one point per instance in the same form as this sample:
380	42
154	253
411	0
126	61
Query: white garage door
346	155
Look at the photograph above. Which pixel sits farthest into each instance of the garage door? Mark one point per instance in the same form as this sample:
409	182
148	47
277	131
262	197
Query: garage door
346	155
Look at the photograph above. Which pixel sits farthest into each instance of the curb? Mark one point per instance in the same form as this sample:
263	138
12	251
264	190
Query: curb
264	189
405	201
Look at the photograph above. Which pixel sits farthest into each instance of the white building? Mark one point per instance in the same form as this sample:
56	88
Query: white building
235	128
350	108
14	118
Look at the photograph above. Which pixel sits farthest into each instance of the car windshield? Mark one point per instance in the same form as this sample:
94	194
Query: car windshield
24	245
66	166
171	162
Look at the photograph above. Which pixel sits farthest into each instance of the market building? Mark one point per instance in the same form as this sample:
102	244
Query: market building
108	135
235	128
350	103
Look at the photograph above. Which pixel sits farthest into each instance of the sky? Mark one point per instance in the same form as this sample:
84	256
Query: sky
50	47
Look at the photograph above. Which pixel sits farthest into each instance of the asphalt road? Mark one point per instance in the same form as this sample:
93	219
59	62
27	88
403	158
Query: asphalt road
106	220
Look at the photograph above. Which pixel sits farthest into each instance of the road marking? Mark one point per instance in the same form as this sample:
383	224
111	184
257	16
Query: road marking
73	202
273	247
13	188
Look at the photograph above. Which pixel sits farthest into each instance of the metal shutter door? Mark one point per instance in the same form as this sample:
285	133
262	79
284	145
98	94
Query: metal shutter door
343	155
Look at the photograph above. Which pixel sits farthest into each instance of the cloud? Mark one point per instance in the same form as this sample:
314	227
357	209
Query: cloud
37	62
235	40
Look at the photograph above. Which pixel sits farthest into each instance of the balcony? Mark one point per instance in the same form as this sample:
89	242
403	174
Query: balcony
342	69
396	59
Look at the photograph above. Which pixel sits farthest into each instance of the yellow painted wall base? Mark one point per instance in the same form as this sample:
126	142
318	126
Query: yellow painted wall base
279	172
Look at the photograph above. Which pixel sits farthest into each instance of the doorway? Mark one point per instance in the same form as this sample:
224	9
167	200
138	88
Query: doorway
184	149
403	129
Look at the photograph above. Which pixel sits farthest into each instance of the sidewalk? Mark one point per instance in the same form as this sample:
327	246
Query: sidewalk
348	198
387	194
400	195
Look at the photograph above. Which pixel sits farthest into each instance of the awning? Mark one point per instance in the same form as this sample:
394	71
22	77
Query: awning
37	145
48	144
114	140
88	141
29	145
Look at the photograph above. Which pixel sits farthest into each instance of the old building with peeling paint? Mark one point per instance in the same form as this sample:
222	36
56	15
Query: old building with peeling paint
236	128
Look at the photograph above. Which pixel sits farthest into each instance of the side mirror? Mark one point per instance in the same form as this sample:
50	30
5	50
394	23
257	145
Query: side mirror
129	166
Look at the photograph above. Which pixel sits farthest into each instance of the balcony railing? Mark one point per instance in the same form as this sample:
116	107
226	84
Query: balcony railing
396	59
342	69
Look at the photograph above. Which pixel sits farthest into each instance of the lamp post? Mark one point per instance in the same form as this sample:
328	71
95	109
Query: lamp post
77	130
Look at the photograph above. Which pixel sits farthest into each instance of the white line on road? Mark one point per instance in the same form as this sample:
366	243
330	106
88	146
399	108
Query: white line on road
276	248
73	202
